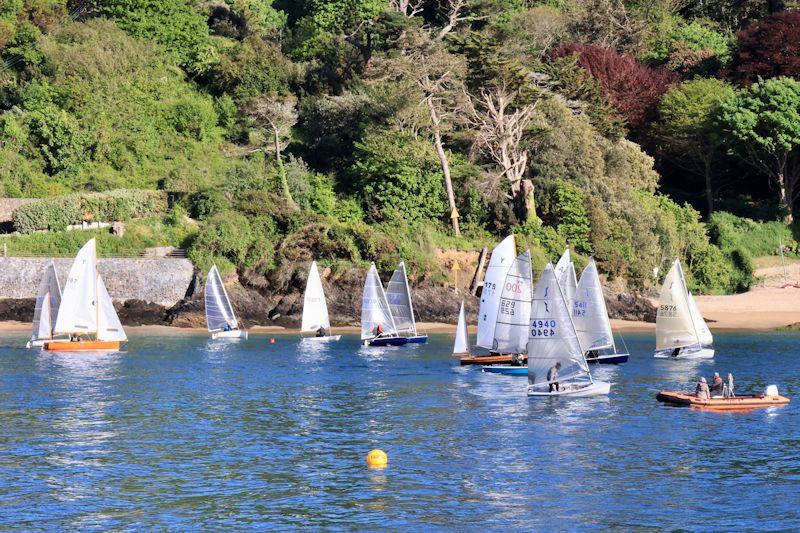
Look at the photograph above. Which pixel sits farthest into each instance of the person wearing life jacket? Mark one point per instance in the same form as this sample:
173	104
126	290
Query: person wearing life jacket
321	332
717	385
552	376
702	389
378	330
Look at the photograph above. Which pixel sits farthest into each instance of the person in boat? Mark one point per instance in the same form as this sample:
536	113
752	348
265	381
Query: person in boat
702	389
552	376
321	332
378	330
717	385
227	327
676	352
516	359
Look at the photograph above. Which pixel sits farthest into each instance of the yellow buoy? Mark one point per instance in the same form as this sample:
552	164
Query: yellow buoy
377	459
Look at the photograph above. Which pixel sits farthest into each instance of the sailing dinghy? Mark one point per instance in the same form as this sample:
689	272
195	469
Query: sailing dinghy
398	295
681	332
48	300
461	344
86	310
590	315
220	318
315	309
499	263
553	340
377	324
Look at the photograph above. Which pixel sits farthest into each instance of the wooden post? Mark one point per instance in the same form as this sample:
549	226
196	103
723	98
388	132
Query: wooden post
456	268
478	277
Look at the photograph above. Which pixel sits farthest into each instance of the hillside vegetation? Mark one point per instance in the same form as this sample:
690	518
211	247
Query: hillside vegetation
351	130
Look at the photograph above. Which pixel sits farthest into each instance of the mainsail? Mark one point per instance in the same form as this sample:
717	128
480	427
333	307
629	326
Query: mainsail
77	313
399	297
514	312
502	257
219	312
374	307
461	345
315	309
48	300
589	313
552	335
675	327
567	280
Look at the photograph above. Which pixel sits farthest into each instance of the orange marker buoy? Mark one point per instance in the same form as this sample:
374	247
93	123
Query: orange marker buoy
377	459
272	340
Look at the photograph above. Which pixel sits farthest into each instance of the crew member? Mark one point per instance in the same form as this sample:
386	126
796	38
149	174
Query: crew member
552	376
702	389
717	385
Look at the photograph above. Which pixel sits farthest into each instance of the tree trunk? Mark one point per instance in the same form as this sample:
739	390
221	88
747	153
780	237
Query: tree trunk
709	190
448	184
523	200
281	170
786	198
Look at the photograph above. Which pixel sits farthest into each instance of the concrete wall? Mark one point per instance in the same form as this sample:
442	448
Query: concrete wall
161	281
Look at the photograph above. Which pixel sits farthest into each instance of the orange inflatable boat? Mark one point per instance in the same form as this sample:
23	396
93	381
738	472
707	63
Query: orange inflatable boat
757	401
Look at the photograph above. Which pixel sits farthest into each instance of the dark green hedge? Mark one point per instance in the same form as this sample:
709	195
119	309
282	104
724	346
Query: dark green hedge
58	212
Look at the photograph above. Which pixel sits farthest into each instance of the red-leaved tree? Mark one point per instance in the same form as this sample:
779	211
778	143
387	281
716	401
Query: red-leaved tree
769	48
632	88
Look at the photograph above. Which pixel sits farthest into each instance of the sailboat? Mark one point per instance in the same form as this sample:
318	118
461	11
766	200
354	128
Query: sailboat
513	317
590	315
315	309
554	340
500	261
48	300
377	324
461	344
681	332
86	310
220	318
398	295
565	272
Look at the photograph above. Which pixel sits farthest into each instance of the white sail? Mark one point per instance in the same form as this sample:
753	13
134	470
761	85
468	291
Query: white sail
399	297
703	333
514	312
219	311
589	313
461	345
502	257
374	307
109	327
565	272
552	335
674	325
315	309
78	310
49	293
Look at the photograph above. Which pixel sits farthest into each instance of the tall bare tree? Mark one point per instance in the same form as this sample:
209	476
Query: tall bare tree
277	115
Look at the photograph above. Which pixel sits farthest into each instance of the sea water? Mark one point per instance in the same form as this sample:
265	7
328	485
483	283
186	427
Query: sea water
182	433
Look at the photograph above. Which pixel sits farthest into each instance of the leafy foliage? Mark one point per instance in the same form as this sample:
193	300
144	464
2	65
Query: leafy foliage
769	48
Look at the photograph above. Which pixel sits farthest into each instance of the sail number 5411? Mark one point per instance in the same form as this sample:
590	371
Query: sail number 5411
543	328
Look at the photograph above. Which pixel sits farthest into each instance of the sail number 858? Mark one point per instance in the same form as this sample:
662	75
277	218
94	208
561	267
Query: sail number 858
543	328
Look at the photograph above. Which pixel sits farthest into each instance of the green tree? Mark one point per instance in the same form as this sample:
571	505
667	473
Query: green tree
685	128
762	126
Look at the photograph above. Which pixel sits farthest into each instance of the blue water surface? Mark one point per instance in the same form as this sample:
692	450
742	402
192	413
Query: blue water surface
181	433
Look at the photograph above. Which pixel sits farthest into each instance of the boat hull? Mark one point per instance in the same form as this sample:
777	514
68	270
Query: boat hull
418	339
736	403
610	359
326	338
83	346
232	334
686	353
490	359
572	390
508	370
386	341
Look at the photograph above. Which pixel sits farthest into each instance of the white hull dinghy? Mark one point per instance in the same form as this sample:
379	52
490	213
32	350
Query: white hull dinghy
590	316
315	309
681	332
377	323
220	318
554	345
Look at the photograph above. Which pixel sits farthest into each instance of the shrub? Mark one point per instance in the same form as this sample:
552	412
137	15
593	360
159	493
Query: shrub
205	204
59	212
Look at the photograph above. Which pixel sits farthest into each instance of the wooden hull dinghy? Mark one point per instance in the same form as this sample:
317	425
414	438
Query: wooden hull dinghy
508	370
499	359
718	403
82	346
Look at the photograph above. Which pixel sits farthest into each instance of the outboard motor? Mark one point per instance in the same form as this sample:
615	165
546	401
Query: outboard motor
772	390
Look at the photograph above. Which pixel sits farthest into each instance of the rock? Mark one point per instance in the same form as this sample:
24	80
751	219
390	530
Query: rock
140	313
118	229
631	306
20	310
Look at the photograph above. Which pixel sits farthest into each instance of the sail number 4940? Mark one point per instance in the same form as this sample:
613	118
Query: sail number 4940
543	328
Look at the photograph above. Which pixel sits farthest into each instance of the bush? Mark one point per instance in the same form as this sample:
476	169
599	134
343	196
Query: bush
205	204
59	212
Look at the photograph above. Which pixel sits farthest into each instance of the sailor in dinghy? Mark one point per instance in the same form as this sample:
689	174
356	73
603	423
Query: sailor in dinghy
48	300
377	324
398	294
553	340
315	309
590	316
681	332
220	318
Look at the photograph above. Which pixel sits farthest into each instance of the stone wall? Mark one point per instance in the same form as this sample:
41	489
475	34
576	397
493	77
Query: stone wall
161	281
